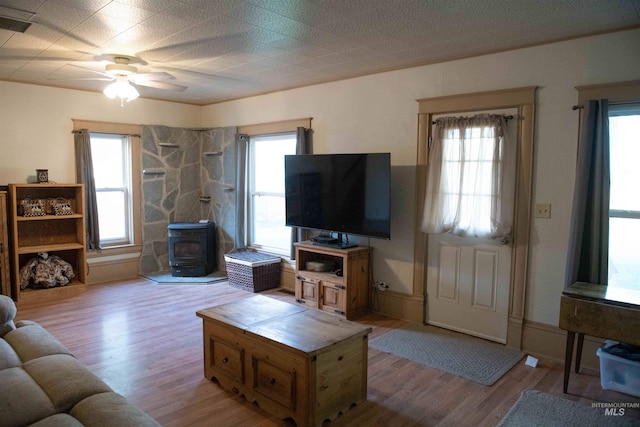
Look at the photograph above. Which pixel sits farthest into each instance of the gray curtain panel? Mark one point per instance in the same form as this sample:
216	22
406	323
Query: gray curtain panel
588	252
242	147
84	175
304	145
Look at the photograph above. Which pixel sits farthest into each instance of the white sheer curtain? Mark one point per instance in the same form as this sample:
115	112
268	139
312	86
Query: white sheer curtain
470	178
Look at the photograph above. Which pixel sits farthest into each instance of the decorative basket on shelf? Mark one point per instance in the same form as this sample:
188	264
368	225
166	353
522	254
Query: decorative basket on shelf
61	206
32	207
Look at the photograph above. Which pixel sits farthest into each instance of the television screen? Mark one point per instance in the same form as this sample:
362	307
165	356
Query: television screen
343	193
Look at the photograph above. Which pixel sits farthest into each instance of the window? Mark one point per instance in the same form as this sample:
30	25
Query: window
467	169
624	204
265	192
470	178
111	156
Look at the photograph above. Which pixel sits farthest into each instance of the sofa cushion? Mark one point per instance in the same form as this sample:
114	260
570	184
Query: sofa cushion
64	379
8	357
58	420
7	314
22	401
41	381
110	410
31	341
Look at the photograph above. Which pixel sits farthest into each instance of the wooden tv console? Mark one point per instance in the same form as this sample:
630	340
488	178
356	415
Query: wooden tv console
295	362
346	294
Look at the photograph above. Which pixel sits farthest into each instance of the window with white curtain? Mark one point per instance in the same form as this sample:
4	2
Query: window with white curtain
265	192
470	178
111	155
624	203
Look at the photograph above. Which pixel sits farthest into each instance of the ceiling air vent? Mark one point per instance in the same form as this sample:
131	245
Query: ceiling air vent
15	19
13	25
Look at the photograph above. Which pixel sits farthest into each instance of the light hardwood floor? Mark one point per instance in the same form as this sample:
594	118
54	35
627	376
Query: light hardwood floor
145	341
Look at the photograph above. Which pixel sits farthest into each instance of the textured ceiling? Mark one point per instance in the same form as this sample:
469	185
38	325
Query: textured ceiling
229	49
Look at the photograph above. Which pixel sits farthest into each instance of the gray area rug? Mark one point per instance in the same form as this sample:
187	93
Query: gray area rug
471	358
537	409
167	278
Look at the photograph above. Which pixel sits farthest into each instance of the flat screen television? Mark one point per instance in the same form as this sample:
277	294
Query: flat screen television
339	193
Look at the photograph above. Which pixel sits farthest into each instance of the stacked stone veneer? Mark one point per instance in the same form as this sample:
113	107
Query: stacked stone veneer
188	175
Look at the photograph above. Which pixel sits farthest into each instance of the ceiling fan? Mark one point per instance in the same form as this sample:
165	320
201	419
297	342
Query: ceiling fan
123	75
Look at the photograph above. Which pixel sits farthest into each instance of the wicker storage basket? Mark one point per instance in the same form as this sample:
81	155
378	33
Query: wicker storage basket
253	271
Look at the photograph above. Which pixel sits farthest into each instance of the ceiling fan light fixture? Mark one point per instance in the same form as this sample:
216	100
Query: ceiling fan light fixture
122	89
120	69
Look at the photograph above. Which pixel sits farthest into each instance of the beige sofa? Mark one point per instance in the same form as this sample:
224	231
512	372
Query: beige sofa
43	384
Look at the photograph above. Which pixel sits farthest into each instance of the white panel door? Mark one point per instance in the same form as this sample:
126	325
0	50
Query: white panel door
468	279
468	286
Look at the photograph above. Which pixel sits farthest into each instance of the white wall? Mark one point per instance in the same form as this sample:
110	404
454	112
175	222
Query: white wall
379	113
35	126
371	113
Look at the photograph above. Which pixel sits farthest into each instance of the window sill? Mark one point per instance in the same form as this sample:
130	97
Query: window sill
114	251
263	250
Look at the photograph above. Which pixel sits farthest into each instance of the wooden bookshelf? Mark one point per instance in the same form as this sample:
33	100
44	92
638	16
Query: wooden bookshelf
61	235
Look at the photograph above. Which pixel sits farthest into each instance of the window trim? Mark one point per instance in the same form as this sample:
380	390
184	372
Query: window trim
619	109
128	203
134	131
250	193
616	93
522	98
282	126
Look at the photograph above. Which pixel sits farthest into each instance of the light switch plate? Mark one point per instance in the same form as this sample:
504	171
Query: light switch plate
543	210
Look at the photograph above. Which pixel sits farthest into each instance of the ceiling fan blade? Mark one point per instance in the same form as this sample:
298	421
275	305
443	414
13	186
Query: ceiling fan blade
110	77
199	74
161	85
217	45
156	75
103	79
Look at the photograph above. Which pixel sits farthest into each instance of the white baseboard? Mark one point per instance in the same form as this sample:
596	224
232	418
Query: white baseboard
111	268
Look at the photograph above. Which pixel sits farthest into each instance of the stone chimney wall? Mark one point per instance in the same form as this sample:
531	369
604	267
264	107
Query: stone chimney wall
188	175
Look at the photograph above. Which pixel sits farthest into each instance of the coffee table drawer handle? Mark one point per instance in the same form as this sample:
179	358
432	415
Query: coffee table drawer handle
273	381
225	360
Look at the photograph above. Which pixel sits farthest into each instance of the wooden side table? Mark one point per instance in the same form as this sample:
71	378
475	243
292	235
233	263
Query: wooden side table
295	362
591	309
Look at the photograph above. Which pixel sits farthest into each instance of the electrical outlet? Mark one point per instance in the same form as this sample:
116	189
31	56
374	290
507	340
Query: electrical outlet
381	286
543	210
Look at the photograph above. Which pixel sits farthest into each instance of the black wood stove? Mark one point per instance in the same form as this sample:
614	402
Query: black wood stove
192	249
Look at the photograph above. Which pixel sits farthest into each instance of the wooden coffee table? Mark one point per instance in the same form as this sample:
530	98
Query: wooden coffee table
295	362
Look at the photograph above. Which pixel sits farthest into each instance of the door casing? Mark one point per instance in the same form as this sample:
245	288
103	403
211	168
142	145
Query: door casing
523	99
